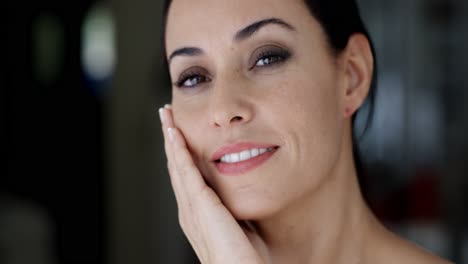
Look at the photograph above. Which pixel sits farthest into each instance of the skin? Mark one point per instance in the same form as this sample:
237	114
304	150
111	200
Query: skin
304	204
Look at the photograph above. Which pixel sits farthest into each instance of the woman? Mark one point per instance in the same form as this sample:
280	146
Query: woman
259	135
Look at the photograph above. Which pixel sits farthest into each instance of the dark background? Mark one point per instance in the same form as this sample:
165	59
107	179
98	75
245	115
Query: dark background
53	181
84	178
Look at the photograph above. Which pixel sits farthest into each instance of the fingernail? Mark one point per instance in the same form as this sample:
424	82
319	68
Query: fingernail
170	131
161	115
168	106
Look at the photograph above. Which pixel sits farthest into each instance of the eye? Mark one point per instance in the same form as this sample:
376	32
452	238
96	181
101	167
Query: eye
191	79
267	60
269	56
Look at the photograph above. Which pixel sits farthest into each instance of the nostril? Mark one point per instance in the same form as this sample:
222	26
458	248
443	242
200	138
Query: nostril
236	118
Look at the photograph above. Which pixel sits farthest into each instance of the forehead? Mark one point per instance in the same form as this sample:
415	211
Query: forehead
201	22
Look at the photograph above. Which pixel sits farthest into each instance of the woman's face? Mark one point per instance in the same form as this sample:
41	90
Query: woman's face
241	85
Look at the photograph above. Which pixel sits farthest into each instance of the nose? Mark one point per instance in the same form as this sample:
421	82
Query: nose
230	107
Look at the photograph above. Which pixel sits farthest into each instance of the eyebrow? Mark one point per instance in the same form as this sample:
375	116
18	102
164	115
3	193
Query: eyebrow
241	35
251	29
186	51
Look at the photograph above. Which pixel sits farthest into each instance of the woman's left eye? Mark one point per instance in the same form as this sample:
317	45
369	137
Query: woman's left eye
269	56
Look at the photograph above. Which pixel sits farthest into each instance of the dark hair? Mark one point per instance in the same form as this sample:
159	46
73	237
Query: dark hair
340	19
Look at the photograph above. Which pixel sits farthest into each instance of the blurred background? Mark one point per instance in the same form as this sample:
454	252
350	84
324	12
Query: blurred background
84	179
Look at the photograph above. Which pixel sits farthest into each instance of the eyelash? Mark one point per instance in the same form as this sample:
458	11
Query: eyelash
190	76
275	57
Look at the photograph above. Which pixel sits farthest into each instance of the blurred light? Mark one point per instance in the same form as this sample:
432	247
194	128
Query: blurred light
385	136
48	48
98	53
425	124
431	236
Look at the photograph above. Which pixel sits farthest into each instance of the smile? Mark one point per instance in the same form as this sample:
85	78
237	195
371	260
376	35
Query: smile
244	155
237	159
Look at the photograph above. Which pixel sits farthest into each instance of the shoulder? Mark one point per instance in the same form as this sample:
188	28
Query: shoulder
400	250
389	248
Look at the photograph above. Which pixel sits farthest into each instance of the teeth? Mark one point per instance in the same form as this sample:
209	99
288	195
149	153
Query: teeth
254	152
244	155
235	157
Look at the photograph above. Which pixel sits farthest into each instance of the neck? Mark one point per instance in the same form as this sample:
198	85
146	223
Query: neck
329	225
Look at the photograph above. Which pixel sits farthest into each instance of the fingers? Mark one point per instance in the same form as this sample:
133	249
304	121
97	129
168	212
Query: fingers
207	223
185	175
167	122
186	169
165	114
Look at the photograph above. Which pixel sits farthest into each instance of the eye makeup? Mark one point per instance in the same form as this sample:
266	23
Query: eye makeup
261	59
268	56
192	77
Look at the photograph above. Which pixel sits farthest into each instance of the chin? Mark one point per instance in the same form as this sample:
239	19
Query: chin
252	209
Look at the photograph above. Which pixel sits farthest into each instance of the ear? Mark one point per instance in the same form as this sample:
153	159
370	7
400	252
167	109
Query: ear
358	66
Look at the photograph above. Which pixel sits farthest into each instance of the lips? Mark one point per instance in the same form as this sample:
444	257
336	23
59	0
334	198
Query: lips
240	158
244	155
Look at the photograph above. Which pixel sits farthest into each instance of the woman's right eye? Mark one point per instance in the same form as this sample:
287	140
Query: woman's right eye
191	80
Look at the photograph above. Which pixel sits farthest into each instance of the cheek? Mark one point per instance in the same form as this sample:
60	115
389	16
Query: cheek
308	115
310	104
188	119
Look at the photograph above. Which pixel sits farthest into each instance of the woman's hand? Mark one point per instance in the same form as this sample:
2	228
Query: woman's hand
210	228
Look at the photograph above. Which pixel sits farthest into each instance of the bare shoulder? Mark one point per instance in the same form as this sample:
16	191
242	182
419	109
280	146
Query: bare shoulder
386	247
418	255
426	257
400	250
